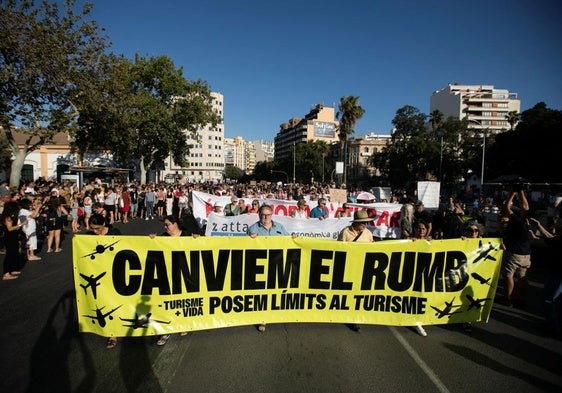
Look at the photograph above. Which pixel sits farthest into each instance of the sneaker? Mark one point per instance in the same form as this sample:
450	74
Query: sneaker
420	330
146	218
355	327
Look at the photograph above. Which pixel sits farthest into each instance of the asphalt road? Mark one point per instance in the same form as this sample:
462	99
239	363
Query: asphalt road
42	350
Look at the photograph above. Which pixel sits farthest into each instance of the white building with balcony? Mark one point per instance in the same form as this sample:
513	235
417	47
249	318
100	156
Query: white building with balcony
484	106
206	155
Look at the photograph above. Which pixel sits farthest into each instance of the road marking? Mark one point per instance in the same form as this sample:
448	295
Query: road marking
423	365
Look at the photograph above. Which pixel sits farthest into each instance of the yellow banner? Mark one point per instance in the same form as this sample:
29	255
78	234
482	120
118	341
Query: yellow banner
137	286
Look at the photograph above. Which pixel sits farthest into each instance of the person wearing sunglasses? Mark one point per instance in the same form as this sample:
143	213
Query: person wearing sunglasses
320	211
173	228
471	230
345	211
254	207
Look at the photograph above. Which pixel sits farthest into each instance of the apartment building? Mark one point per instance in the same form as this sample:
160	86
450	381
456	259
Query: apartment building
235	151
206	156
360	150
318	124
484	106
265	150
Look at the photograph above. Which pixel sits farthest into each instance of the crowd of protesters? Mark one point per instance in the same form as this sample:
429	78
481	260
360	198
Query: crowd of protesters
38	214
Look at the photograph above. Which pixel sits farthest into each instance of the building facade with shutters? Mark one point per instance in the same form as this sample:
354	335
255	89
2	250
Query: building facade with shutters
206	155
484	106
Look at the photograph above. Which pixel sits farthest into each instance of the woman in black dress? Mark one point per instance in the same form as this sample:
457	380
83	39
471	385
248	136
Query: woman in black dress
13	240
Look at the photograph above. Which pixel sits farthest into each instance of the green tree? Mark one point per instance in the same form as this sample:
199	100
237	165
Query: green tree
512	118
233	172
406	160
310	160
530	151
349	112
150	107
262	170
5	154
46	55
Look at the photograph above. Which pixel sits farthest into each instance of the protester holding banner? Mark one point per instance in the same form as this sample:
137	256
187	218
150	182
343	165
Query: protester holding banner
100	226
407	220
266	227
320	211
254	207
242	206
421	231
300	211
471	230
232	208
172	225
344	212
357	232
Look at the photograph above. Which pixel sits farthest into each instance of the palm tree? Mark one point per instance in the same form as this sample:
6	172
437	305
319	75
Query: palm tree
436	120
513	118
349	112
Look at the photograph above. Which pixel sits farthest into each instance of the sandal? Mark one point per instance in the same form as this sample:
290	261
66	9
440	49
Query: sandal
184	333
58	250
9	276
261	328
163	339
111	342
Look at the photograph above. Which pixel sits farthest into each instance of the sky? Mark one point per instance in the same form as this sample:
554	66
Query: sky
275	60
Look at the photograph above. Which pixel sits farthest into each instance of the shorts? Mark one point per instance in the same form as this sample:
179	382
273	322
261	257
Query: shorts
32	242
516	264
109	209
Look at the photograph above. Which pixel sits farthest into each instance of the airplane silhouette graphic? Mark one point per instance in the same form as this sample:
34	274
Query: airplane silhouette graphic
143	322
92	283
484	254
476	303
446	312
100	316
100	249
481	279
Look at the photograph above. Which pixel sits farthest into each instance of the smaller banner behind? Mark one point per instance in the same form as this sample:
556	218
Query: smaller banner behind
137	286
